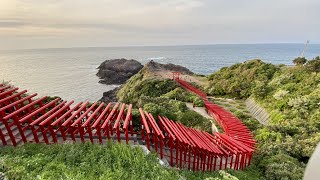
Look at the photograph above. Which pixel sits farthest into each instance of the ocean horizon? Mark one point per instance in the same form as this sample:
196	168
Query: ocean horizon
70	72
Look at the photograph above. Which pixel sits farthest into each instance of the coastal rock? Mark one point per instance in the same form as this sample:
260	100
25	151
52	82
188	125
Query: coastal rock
117	71
110	96
154	66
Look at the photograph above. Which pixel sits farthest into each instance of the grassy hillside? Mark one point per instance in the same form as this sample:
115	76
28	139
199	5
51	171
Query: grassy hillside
162	97
240	80
89	162
292	97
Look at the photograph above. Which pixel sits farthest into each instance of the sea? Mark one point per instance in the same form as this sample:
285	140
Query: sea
70	73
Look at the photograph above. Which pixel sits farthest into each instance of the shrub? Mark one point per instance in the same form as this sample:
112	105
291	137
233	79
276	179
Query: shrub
299	61
313	65
282	166
242	79
132	90
198	101
280	94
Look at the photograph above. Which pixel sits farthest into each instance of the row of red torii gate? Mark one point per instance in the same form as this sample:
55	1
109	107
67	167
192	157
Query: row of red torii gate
25	118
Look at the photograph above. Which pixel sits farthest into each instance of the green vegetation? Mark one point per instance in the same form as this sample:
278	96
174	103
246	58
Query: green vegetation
314	65
89	161
292	97
241	80
163	97
140	85
80	161
300	61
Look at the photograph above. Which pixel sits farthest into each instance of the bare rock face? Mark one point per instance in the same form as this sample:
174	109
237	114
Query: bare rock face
154	66
117	71
110	96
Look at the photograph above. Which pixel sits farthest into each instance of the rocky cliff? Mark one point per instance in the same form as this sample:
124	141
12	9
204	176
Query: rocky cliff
117	71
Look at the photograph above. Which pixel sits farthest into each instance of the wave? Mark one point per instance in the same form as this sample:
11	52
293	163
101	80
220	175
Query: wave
156	58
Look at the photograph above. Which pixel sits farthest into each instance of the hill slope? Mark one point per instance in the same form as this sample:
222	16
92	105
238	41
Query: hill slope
292	97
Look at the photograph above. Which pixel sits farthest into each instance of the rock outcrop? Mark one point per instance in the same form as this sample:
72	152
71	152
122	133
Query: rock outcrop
110	96
117	71
154	66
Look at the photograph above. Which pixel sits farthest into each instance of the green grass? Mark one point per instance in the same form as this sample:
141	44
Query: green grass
89	161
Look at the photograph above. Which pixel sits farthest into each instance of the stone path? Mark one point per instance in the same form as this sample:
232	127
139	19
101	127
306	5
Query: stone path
202	111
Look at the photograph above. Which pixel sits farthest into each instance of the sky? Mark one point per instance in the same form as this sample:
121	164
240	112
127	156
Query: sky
104	23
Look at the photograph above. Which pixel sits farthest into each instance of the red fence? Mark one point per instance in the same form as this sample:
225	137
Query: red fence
24	118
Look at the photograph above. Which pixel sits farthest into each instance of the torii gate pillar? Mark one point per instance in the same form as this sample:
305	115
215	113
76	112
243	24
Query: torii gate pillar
176	75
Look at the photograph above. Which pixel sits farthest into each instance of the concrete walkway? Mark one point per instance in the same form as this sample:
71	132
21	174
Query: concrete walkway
202	111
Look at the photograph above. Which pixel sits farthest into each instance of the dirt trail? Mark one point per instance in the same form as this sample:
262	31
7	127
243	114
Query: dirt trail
189	78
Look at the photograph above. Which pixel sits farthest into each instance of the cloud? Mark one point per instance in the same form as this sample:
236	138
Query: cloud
155	22
9	23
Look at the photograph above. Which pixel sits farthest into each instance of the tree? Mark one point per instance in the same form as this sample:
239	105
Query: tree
299	61
313	65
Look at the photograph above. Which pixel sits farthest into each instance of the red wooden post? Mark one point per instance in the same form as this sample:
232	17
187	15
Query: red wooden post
221	159
99	134
231	161
210	162
161	147
204	162
194	160
198	161
89	130
44	135
249	159
189	158
177	144
12	138
185	155
215	162
55	140
171	153
155	142
81	132
148	141
126	134
4	142
16	122
180	152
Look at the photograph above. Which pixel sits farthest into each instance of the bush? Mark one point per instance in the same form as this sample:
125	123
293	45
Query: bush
132	90
313	65
282	166
240	80
198	101
299	61
193	119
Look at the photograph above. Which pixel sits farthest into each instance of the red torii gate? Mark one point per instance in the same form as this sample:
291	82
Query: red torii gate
176	75
25	119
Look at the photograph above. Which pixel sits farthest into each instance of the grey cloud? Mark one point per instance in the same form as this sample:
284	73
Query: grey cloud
11	23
